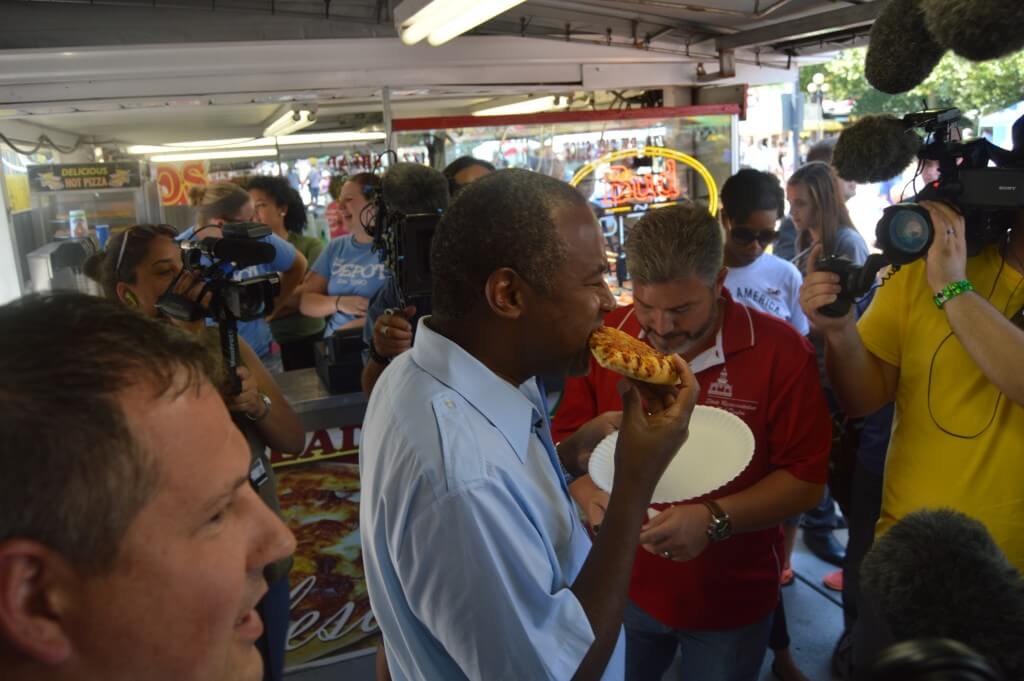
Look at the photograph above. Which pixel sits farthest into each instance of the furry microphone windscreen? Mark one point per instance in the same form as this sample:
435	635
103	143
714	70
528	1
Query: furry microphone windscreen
901	52
976	29
874	149
413	188
940	574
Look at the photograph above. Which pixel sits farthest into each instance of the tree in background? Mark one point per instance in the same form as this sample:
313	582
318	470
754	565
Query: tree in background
976	88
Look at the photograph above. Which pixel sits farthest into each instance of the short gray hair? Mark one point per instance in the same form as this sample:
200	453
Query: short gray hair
674	243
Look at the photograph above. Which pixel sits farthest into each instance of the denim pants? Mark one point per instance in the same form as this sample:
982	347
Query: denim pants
726	655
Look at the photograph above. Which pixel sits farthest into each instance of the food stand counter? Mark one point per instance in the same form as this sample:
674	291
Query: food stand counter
332	633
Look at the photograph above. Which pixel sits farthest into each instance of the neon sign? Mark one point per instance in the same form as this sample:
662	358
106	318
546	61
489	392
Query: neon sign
624	186
625	189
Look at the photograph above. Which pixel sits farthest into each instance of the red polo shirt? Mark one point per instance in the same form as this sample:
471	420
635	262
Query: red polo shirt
765	372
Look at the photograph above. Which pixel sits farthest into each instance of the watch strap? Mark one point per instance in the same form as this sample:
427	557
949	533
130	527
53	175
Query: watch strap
720	527
265	399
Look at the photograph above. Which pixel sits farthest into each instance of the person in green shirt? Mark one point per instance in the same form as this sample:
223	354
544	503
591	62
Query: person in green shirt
279	206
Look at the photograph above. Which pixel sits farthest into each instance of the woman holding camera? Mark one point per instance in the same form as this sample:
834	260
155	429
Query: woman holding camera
280	207
345	277
819	212
221	203
139	266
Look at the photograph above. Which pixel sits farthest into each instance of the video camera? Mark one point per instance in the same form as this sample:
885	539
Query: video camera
213	262
988	198
408	209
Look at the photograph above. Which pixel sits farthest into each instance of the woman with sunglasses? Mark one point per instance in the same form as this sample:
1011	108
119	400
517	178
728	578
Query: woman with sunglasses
139	266
752	203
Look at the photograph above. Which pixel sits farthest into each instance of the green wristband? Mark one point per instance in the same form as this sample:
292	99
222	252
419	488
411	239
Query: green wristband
952	291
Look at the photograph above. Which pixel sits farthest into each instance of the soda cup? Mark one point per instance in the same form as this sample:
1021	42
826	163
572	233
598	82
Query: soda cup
78	225
102	234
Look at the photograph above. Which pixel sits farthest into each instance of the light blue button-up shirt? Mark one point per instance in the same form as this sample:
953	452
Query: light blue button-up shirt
470	539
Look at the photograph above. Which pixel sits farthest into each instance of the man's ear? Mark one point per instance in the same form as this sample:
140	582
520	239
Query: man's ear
720	280
36	587
505	293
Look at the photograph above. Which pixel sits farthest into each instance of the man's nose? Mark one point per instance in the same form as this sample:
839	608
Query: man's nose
273	541
608	302
661	323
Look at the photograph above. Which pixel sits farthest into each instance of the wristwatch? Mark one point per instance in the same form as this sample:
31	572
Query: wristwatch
266	403
720	527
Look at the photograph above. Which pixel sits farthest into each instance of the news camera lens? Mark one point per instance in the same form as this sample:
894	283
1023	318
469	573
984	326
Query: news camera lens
909	232
905	232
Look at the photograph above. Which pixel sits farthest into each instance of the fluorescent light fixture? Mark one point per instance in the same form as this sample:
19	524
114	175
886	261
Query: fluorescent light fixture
441	20
526	106
330	137
205	145
290	122
249	143
212	155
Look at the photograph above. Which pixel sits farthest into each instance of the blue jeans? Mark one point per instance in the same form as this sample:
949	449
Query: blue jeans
726	655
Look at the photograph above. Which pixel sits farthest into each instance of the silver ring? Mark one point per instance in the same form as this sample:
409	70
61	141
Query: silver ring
385	331
667	554
950	232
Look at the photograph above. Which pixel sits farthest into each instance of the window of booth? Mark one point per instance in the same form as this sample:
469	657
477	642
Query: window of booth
625	162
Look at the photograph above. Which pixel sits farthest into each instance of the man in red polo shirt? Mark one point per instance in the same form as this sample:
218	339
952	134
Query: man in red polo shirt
707	577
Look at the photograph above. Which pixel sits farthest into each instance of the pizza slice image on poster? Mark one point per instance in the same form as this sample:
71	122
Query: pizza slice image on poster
330	616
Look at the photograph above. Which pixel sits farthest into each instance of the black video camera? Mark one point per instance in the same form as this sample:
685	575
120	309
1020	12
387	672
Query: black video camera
988	198
403	242
213	262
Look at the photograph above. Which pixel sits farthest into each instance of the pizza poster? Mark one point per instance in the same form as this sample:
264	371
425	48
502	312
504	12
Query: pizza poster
319	495
79	176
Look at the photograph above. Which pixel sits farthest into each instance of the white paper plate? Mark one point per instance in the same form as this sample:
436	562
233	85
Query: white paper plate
719	448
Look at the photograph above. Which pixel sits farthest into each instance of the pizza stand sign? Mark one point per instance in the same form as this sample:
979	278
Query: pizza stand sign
330	617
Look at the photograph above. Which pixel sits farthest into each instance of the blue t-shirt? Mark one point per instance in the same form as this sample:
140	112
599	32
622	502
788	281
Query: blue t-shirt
351	269
257	332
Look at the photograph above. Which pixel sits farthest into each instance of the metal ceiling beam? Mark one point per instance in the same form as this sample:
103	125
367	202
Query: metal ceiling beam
590	11
805	27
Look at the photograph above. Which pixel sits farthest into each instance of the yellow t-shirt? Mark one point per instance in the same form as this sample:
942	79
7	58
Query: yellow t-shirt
957	442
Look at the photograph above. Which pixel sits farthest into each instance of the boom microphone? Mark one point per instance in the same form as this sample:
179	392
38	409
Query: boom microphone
875	149
411	188
976	29
940	574
242	252
901	52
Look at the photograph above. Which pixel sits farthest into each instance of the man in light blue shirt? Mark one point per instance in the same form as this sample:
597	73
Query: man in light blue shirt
476	562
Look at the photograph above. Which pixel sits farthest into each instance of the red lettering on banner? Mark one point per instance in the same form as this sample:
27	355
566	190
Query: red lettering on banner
323	444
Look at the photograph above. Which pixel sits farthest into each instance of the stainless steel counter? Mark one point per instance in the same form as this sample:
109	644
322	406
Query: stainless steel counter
316	407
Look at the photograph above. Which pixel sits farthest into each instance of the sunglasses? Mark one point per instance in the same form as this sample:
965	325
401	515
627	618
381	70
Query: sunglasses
745	237
148	230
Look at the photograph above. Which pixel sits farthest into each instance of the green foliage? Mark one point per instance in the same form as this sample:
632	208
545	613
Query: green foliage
976	88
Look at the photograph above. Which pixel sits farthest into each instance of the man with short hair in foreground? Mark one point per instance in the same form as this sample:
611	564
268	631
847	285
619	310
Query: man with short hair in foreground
132	543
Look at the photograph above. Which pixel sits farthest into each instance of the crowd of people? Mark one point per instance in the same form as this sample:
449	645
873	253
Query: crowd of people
153	547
